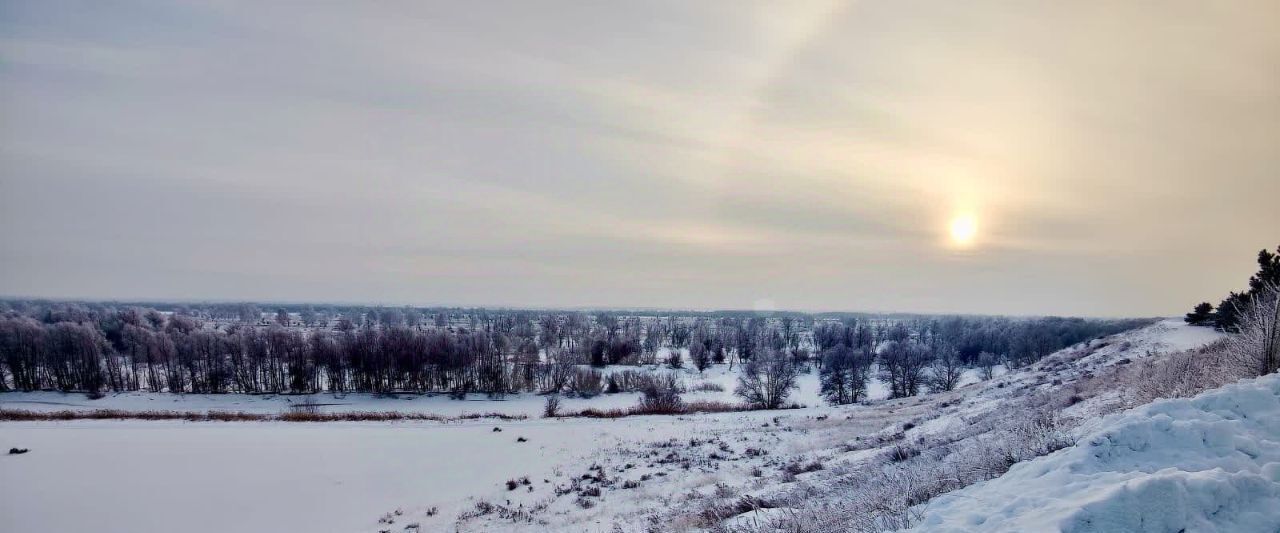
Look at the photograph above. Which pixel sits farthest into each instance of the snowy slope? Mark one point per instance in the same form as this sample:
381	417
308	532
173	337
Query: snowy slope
1210	463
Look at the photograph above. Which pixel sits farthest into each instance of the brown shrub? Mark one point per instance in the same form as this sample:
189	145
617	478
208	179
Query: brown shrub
639	410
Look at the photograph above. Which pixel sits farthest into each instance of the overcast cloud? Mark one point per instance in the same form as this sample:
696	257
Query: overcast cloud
1122	158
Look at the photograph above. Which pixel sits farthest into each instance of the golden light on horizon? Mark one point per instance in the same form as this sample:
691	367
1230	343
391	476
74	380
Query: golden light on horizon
964	228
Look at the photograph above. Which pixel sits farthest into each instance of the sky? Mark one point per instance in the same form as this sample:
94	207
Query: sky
1097	158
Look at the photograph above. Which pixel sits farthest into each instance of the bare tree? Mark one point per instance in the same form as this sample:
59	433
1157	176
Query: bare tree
307	316
412	317
767	379
94	347
557	376
24	345
344	324
700	355
247	313
653	337
586	383
551	408
390	318
945	369
675	360
987	365
662	395
902	364
844	375
1257	346
155	319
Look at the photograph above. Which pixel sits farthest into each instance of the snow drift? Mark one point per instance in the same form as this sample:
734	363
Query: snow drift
1208	463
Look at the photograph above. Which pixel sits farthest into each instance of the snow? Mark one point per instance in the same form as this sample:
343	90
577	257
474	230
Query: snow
1209	463
514	404
1174	334
334	477
1165	336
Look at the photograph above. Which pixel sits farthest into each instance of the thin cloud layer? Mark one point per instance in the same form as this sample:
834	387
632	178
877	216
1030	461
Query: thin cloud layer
1120	158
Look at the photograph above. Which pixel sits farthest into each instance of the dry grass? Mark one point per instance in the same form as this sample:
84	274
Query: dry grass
706	386
685	409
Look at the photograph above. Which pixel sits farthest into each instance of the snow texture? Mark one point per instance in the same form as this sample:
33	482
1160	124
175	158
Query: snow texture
1209	463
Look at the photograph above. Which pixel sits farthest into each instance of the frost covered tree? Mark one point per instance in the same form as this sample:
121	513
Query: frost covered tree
556	376
700	355
767	379
307	316
76	350
493	352
247	313
412	317
902	364
987	362
674	360
945	369
653	336
390	318
1257	345
801	357
24	344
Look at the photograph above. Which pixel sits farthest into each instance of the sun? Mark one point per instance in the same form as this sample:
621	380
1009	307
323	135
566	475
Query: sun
963	230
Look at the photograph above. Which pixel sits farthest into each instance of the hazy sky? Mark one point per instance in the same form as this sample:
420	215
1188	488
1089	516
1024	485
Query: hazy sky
1119	158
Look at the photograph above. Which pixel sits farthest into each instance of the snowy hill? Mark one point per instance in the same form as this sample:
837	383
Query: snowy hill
941	443
1210	463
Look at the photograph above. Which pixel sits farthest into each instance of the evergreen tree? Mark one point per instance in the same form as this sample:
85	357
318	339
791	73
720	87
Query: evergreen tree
1227	315
1202	315
1268	271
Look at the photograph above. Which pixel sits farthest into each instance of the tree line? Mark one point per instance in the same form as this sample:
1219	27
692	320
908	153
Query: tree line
105	347
934	352
1227	315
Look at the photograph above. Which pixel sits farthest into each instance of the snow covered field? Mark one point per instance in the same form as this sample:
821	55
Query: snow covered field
275	476
341	477
631	474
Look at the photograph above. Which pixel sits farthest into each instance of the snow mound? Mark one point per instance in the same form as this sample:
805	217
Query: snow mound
1209	463
1166	336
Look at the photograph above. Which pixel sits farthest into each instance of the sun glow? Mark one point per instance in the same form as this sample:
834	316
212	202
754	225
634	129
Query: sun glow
963	230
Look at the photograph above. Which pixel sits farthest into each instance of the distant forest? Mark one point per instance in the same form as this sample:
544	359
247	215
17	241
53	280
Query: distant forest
98	347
